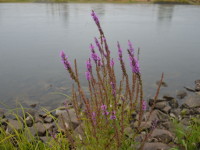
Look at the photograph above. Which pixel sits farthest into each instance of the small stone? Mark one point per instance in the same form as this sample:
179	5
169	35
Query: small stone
181	94
29	121
129	132
184	106
33	105
193	101
70	120
166	109
168	97
176	112
197	85
160	105
37	118
162	135
48	119
173	103
45	139
40	129
185	121
14	125
156	146
30	112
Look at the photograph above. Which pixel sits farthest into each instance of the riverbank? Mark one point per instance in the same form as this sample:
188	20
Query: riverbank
193	2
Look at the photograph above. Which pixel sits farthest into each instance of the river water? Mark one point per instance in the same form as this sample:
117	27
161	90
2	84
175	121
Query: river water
32	35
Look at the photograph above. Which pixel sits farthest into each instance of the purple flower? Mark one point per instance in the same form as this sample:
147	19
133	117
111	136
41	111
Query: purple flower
112	63
144	105
119	51
88	75
113	116
89	65
98	45
105	113
64	60
103	107
96	19
113	88
130	47
134	64
94	56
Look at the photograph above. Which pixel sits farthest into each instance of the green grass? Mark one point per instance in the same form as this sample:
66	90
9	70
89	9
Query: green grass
188	138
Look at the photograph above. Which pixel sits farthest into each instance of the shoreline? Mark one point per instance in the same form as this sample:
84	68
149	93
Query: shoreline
182	2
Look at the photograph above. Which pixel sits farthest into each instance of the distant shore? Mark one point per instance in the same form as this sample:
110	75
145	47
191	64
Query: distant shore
192	2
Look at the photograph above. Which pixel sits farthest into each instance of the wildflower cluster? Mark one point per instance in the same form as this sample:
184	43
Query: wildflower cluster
109	106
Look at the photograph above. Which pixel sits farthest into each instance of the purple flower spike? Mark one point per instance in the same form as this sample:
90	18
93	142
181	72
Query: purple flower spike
113	116
131	47
119	51
98	45
112	63
96	19
65	61
134	64
144	105
89	65
106	113
87	75
113	88
103	107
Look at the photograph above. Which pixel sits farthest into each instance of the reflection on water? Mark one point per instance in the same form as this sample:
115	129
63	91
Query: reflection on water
165	14
32	35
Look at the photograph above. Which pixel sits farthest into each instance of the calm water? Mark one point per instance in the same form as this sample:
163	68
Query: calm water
32	35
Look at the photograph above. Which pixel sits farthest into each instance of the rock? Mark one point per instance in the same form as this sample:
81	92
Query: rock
162	135
128	131
168	97
160	105
41	128
14	125
45	139
189	89
164	84
42	114
166	109
2	115
176	112
197	85
143	126
29	121
48	119
156	146
184	106
79	130
185	121
167	125
181	94
37	118
69	120
193	101
151	101
33	105
186	111
30	112
173	103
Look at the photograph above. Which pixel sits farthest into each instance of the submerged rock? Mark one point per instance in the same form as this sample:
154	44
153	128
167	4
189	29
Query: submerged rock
193	101
181	94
